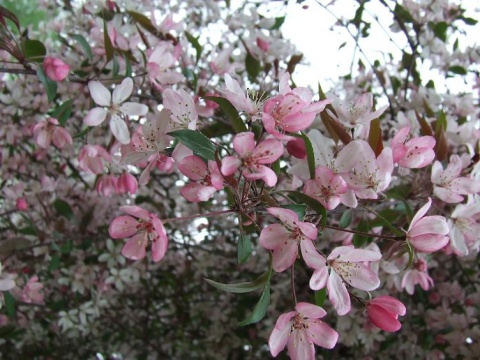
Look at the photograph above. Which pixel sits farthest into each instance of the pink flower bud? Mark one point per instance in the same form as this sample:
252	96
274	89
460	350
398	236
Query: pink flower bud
22	204
107	185
55	69
383	311
127	184
296	148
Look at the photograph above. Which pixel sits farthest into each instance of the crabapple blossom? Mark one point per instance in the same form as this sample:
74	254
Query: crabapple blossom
253	158
285	239
300	330
32	291
6	283
291	110
183	111
234	93
427	233
91	158
161	60
48	131
55	69
360	113
114	107
141	227
383	312
344	265
415	153
449	185
107	185
206	178
127	183
417	275
464	226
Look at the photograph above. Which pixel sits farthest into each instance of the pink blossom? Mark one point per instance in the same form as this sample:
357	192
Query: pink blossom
183	111
291	110
6	283
427	233
32	292
140	227
449	185
417	275
359	113
296	148
253	158
415	153
114	106
300	330
107	185
91	158
243	101
127	183
384	310
49	130
55	69
285	239
21	204
206	178
465	228
221	64
345	264
329	189
163	57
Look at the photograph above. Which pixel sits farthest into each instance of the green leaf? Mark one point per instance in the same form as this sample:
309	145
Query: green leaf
34	50
310	155
196	45
84	44
49	85
63	209
63	112
241	288
346	219
54	262
320	296
411	256
260	309
9	303
115	66
253	66
299	209
278	23
244	248
108	42
468	20
460	70
143	21
128	66
440	30
197	142
314	204
227	107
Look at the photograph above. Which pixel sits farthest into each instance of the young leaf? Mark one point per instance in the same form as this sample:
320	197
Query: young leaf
197	142
253	66
244	248
63	209
278	22
143	21
9	303
84	44
260	309
375	137
310	155
34	50
196	45
49	85
346	219
108	43
320	296
63	112
227	107
241	288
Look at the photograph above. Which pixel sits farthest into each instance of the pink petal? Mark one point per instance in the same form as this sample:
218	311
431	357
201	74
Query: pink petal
244	143
134	109
311	311
230	165
308	229
286	216
390	304
123	227
300	347
268	151
274	236
428	243
134	248
95	116
196	192
285	255
383	319
420	213
280	334
263	173
429	225
159	248
319	278
321	334
119	129
135	211
100	93
338	294
363	278
122	91
193	167
309	253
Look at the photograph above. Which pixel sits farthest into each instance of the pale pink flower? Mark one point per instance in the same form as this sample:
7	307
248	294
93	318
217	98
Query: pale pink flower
91	158
359	113
427	233
114	106
465	228
55	69
251	105
206	179
415	153
32	292
142	228
384	310
253	158
21	204
163	57
167	24
221	63
345	264
417	275
6	283
300	330
127	183
329	189
449	185
48	131
183	111
291	110
285	239
107	185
